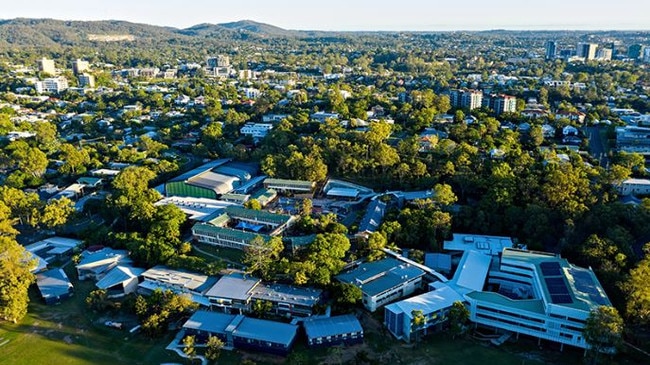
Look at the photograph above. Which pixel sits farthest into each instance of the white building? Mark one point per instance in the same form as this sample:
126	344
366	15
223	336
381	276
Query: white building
47	66
634	187
80	66
52	85
251	93
523	292
256	130
539	295
384	281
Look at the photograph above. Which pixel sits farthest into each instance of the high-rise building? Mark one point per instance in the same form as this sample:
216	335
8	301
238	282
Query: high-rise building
47	66
80	66
500	103
586	50
52	85
635	51
551	50
219	61
86	80
604	54
646	55
466	99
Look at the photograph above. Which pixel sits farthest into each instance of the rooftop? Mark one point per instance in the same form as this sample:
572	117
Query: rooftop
529	305
373	217
269	331
180	278
233	286
118	275
379	276
53	283
258	215
207	229
429	302
562	284
213	322
491	245
287	294
472	270
286	182
198	209
332	326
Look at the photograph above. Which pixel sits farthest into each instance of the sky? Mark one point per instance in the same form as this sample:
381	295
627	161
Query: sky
351	15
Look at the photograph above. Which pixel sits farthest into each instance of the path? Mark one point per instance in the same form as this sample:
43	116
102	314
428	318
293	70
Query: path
596	145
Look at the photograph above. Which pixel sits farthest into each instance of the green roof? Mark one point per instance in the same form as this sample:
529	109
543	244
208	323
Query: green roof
264	195
259	215
530	305
219	220
210	230
302	183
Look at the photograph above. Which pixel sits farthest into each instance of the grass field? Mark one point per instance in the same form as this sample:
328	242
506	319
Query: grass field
71	334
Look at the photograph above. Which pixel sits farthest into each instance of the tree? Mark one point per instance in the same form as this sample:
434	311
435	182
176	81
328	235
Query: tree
259	255
327	252
376	242
57	212
132	197
637	287
603	331
30	160
306	207
253	204
97	300
458	318
347	295
15	279
74	160
418	323
262	307
188	347
444	195
213	348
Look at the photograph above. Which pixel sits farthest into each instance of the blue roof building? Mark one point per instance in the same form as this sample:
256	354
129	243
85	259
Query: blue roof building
238	331
54	286
332	331
384	281
373	217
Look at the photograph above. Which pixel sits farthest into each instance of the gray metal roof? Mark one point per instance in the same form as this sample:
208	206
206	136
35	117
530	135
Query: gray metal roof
332	326
379	276
53	283
199	170
213	322
373	217
234	286
268	331
118	275
287	294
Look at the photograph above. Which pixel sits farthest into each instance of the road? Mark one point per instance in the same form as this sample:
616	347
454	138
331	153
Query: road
596	146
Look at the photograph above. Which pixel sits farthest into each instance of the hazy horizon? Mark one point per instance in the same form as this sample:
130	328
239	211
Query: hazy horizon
362	15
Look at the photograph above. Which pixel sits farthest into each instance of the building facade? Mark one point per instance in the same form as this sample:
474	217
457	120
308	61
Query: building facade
466	99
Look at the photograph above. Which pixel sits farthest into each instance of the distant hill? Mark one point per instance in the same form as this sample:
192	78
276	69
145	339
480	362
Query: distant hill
260	28
50	32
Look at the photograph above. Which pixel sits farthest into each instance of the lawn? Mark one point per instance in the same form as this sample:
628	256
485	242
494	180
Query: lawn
223	252
71	334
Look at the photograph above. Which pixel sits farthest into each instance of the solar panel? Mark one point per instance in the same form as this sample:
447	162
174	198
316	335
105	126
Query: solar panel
561	299
550	268
585	283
